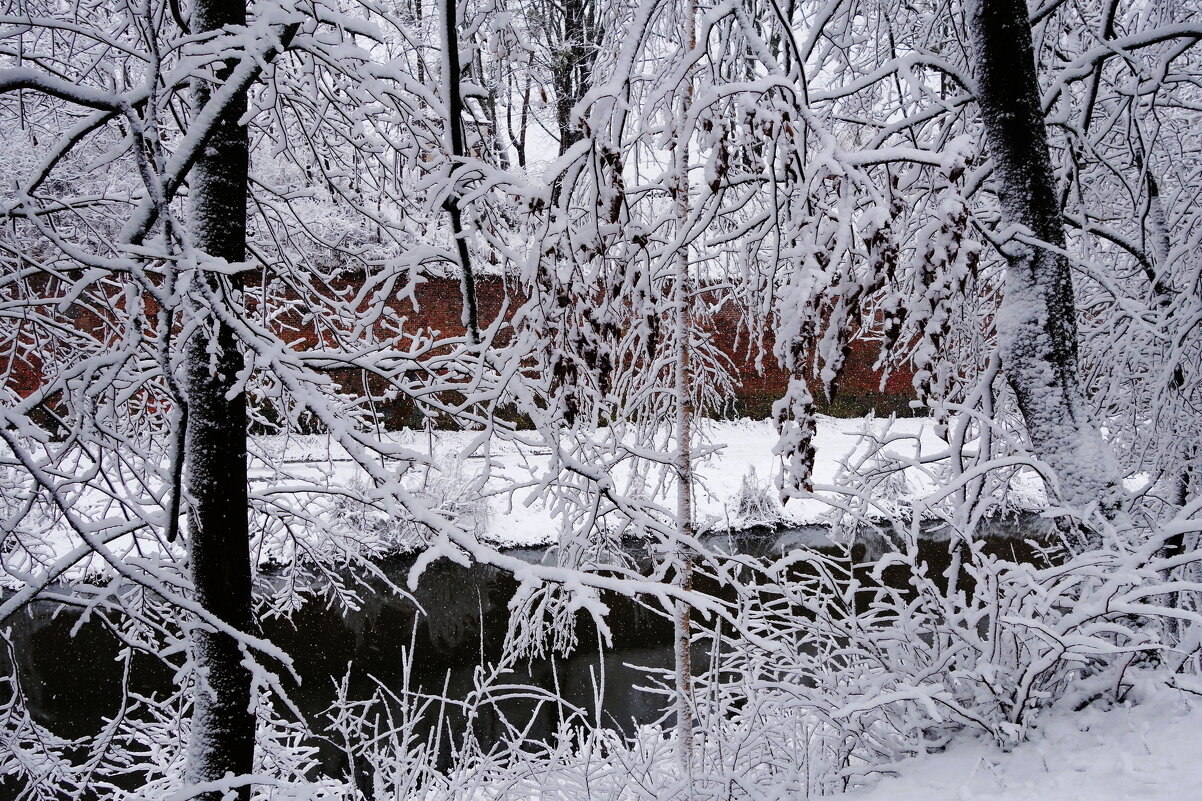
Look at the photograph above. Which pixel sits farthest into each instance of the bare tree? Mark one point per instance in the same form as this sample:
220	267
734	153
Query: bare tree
159	288
452	73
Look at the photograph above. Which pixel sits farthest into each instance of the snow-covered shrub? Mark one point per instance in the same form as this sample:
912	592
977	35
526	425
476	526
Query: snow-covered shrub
364	519
154	731
756	502
898	667
451	492
396	737
31	756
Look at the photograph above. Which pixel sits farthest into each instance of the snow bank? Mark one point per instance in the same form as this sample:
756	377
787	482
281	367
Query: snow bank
743	449
741	462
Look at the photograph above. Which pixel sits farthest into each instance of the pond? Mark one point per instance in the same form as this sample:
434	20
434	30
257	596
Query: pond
73	681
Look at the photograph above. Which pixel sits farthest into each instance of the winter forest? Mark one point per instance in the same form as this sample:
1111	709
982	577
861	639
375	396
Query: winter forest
600	399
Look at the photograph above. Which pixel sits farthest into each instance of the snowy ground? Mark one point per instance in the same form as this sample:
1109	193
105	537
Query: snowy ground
1148	750
743	449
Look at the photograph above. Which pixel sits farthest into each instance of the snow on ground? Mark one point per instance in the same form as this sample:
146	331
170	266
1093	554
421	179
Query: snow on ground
521	518
1148	750
743	449
747	445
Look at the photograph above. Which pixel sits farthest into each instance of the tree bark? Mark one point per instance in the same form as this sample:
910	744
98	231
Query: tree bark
682	290
451	73
571	65
223	724
1037	324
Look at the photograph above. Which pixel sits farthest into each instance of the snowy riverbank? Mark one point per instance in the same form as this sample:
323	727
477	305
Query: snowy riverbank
301	478
741	451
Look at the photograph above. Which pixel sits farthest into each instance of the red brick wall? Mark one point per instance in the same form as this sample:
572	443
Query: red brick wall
440	305
859	389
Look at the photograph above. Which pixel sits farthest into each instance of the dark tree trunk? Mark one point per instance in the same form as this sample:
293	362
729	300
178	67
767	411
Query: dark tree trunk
1037	324
571	66
223	726
572	33
452	72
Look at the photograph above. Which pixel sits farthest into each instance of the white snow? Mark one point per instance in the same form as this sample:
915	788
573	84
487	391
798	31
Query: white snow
746	445
523	519
1145	750
741	446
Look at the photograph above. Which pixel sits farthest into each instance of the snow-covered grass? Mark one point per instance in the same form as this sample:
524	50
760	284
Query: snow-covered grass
1144	747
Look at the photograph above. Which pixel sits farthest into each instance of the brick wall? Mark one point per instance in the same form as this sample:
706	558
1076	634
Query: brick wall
440	305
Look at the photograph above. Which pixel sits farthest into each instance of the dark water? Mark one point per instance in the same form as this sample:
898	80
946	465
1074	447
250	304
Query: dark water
73	681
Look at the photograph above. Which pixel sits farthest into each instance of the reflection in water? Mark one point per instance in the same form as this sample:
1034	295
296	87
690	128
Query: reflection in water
73	679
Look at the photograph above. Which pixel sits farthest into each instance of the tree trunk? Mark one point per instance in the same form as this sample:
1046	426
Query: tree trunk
682	290
571	65
223	725
451	74
1037	324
